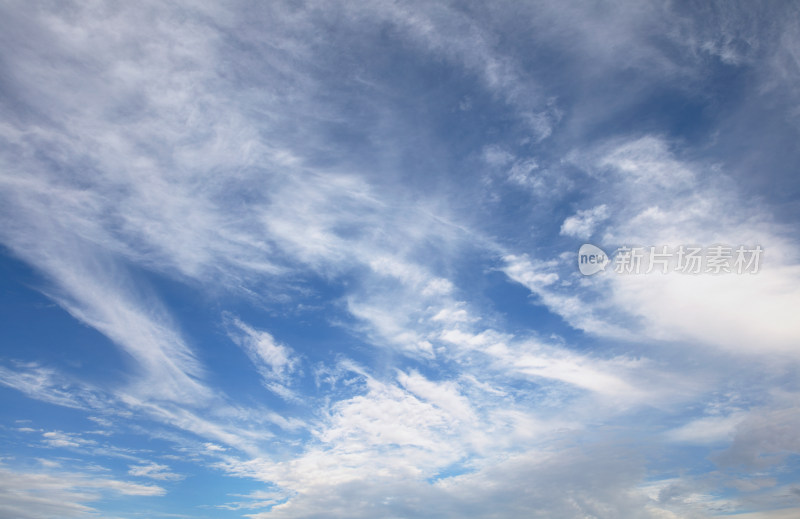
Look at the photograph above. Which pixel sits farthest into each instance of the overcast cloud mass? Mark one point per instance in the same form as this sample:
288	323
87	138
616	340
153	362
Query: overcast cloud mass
301	259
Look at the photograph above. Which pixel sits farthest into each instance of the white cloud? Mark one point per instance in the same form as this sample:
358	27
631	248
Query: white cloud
539	277
154	470
44	495
47	385
497	156
450	34
445	396
707	430
647	164
694	307
274	361
452	315
571	484
61	439
583	223
657	199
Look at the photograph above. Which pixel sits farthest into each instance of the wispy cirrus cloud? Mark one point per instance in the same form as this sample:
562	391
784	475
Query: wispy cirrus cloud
32	495
275	362
365	175
155	471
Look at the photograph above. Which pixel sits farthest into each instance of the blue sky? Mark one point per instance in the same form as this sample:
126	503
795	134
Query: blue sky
319	259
